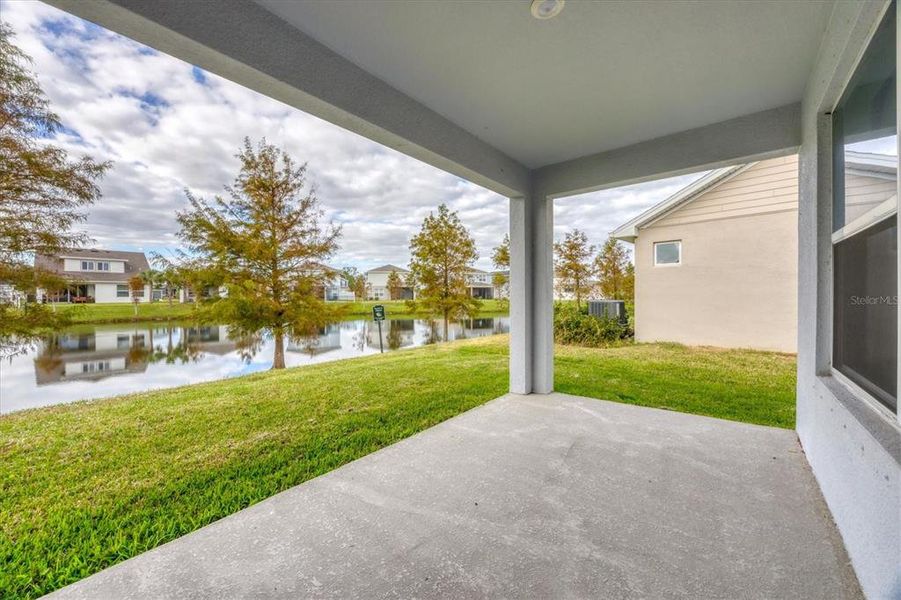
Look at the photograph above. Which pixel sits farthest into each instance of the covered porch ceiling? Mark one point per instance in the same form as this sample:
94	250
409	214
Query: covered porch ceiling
603	94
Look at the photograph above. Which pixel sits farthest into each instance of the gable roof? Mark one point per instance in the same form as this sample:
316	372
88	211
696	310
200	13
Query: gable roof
100	254
387	269
628	231
313	265
865	163
135	262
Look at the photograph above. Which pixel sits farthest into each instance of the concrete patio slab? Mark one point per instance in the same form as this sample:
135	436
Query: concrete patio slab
527	496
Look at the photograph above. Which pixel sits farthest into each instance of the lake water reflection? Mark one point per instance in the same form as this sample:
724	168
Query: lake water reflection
108	360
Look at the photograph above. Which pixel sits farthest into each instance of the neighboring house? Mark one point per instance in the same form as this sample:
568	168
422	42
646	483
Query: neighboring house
717	262
186	293
501	291
481	284
335	286
10	295
377	280
96	275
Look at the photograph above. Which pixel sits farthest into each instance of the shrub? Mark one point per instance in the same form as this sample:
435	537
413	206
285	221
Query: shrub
576	327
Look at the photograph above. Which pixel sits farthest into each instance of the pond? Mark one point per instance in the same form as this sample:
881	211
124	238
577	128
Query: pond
97	361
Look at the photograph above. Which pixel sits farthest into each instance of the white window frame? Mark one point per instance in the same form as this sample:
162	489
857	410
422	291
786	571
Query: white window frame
87	265
863	396
877	214
118	290
678	244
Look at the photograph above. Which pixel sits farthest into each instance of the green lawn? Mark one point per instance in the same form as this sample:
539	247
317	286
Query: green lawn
122	312
88	485
162	311
739	385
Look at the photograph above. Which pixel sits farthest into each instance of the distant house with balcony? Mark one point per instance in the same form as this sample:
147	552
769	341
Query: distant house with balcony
377	280
481	284
336	287
94	275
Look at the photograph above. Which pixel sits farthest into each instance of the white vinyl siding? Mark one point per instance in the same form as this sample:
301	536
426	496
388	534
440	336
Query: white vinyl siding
76	265
768	186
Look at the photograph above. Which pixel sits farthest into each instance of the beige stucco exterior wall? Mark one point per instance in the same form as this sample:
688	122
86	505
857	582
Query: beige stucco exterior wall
737	284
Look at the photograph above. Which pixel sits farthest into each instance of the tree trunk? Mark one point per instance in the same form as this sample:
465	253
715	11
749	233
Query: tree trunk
278	358
445	326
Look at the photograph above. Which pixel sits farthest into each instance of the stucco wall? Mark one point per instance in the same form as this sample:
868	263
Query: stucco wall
737	284
852	448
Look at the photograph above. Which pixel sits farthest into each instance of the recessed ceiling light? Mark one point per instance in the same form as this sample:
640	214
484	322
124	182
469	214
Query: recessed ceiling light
547	9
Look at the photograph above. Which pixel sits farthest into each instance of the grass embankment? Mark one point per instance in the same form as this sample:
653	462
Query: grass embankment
163	311
125	313
88	485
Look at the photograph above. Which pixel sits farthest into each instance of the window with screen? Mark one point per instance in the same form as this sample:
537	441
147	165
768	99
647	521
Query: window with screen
865	222
667	253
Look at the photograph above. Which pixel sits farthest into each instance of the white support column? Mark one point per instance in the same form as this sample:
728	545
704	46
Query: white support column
531	295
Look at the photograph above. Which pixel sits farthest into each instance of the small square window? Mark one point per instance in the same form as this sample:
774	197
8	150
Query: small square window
667	253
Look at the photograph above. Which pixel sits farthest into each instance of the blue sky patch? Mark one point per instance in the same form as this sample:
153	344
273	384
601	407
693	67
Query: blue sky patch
199	75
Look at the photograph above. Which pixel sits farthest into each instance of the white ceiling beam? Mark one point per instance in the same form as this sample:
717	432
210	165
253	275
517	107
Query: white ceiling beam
767	134
247	44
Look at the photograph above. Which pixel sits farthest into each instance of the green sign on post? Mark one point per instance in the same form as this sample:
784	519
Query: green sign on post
378	314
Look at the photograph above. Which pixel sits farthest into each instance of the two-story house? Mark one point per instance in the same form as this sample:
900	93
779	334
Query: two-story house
481	284
334	284
377	280
95	275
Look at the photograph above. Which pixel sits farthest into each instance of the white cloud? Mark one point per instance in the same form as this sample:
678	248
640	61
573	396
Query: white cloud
168	126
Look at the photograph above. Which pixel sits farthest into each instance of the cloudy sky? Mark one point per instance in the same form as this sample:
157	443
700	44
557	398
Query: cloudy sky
168	126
